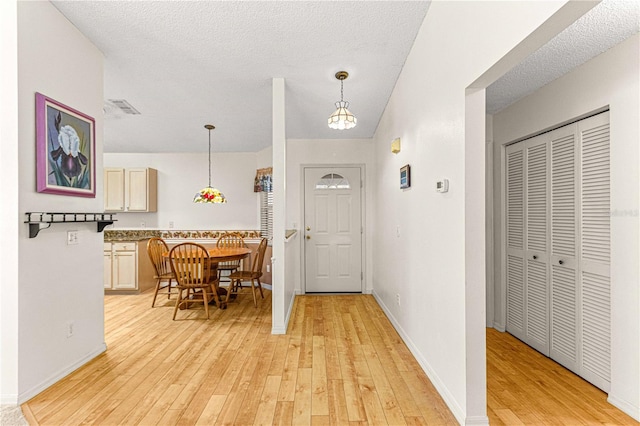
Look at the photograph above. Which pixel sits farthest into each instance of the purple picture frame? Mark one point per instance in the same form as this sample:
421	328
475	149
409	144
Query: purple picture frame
65	149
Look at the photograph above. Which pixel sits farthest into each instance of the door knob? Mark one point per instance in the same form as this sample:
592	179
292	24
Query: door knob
308	228
561	262
308	237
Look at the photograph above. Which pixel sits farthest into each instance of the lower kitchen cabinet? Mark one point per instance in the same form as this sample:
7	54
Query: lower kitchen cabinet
127	267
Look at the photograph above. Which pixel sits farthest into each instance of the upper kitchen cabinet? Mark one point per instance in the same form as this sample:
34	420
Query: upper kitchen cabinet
130	190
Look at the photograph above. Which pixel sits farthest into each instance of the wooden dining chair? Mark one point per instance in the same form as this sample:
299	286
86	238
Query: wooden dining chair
229	239
190	265
157	248
253	275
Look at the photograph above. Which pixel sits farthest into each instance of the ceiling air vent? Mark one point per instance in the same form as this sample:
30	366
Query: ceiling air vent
122	105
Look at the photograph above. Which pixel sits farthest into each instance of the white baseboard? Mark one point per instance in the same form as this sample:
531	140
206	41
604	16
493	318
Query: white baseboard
500	327
30	393
442	389
283	330
9	399
477	420
625	406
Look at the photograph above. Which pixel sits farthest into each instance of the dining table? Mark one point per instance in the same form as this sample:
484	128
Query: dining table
217	255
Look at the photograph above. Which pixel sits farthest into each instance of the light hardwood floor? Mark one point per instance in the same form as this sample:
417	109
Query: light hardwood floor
525	387
340	363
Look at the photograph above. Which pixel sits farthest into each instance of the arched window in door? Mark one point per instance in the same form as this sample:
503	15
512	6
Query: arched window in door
333	181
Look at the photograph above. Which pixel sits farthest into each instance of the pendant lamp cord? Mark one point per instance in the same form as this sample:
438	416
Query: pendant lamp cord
341	90
209	158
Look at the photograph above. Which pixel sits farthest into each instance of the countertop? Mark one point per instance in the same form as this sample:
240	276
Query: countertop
115	235
111	235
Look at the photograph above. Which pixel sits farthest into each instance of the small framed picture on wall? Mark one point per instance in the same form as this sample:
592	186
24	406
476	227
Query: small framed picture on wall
405	177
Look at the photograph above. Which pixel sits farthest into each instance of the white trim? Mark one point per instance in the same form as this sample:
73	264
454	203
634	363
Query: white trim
499	326
490	234
364	288
452	403
9	399
625	406
477	420
283	330
30	393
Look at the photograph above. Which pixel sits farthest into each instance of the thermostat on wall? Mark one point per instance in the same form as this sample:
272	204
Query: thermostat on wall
442	185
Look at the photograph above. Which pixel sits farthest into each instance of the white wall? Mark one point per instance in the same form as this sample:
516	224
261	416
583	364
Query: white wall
611	79
431	263
9	213
264	158
307	152
282	284
57	283
181	176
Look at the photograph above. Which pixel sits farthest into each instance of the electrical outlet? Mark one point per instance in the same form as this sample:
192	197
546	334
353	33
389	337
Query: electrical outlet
69	329
398	231
398	298
72	237
171	225
268	268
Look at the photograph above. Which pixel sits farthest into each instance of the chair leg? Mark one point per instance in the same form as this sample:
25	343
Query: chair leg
205	300
178	300
260	287
156	293
253	291
229	290
214	291
169	288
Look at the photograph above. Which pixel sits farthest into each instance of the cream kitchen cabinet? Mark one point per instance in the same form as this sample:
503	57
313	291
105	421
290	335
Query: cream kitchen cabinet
130	190
127	266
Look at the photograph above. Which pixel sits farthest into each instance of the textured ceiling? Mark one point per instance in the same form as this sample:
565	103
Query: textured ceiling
184	64
607	24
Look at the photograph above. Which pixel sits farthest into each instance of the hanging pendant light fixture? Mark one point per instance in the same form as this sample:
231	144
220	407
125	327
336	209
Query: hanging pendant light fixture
342	118
209	194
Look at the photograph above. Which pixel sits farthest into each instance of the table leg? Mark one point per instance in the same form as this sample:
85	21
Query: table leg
218	293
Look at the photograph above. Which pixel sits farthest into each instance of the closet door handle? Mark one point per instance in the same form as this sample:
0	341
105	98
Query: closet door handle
561	262
535	257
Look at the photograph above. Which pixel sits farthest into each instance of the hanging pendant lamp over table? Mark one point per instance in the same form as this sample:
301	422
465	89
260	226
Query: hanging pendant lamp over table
342	119
209	194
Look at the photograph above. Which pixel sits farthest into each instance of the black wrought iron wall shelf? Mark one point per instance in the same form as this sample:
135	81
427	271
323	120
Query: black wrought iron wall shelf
40	220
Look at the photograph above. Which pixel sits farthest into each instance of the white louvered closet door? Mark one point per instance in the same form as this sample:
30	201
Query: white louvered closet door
515	241
536	255
564	233
558	246
595	217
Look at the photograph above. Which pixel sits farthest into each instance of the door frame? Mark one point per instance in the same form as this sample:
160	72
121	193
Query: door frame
303	254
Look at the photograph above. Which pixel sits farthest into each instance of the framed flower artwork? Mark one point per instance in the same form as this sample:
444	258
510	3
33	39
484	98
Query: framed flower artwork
65	149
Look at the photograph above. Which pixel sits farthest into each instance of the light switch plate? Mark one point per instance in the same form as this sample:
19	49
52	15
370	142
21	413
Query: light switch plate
72	238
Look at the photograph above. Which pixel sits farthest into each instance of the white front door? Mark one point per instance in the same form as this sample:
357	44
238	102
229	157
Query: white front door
332	229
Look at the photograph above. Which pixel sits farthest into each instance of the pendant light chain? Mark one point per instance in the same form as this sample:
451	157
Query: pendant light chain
209	157
209	194
342	118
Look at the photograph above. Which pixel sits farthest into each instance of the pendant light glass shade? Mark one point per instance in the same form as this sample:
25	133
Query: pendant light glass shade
342	118
209	194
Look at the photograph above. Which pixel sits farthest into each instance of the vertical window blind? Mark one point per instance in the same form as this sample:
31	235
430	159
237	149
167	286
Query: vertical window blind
266	215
